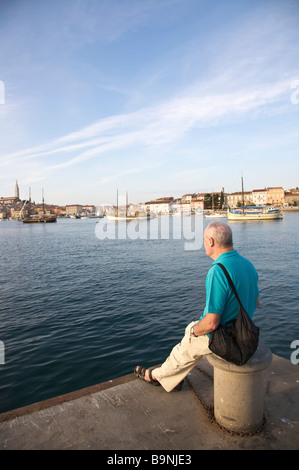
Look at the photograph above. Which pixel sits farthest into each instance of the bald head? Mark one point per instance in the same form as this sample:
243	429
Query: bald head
221	234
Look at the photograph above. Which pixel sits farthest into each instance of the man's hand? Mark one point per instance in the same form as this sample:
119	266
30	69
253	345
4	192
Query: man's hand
207	324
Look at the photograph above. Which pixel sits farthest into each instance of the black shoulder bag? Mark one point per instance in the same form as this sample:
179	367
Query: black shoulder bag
238	342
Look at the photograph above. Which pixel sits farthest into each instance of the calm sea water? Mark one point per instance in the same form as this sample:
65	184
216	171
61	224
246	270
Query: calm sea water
76	311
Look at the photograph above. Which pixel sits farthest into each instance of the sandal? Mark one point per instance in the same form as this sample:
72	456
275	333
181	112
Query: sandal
140	373
179	386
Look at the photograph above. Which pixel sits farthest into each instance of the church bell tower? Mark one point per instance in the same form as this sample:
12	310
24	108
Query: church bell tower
17	193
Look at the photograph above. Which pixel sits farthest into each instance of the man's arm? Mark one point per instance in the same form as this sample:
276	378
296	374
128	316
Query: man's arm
207	324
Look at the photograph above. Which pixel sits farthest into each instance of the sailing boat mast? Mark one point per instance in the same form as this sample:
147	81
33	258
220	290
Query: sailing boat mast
243	203
117	203
29	202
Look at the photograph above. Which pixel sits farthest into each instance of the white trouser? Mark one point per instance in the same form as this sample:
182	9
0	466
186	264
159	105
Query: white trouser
183	357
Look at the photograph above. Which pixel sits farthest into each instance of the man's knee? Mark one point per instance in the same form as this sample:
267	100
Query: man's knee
189	326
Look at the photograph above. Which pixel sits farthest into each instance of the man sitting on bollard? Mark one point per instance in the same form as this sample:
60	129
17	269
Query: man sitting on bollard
221	307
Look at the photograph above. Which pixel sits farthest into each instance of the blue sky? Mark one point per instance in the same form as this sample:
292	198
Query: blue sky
157	97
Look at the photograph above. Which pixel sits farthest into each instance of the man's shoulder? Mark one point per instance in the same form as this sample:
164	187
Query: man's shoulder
231	258
246	262
215	272
234	263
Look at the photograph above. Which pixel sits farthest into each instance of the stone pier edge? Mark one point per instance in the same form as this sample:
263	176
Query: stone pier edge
42	405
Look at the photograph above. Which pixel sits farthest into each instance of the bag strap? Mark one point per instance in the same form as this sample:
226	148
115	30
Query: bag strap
230	282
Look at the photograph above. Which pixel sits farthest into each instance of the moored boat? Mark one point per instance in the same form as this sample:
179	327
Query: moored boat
254	213
120	216
126	217
215	215
36	220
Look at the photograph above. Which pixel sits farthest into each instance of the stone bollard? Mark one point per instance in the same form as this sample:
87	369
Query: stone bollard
239	391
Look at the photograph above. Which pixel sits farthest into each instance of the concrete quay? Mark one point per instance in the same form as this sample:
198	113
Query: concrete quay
128	414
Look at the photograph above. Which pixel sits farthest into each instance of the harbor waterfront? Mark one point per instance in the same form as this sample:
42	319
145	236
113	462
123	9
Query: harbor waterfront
77	311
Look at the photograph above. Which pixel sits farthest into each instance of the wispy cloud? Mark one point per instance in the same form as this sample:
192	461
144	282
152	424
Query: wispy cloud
158	125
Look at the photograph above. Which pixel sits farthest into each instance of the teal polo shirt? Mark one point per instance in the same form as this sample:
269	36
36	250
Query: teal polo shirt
220	298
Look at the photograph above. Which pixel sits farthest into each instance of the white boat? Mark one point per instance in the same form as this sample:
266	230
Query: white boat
126	217
254	213
119	216
175	214
215	215
197	212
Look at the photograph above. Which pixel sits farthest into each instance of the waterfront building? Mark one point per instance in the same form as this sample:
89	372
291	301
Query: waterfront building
291	197
16	212
197	204
235	199
275	196
159	206
199	201
7	200
259	197
89	209
60	211
19	210
3	212
42	210
185	208
187	198
73	209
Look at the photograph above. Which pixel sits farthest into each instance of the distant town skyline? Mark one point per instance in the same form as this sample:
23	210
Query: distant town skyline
154	97
122	197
